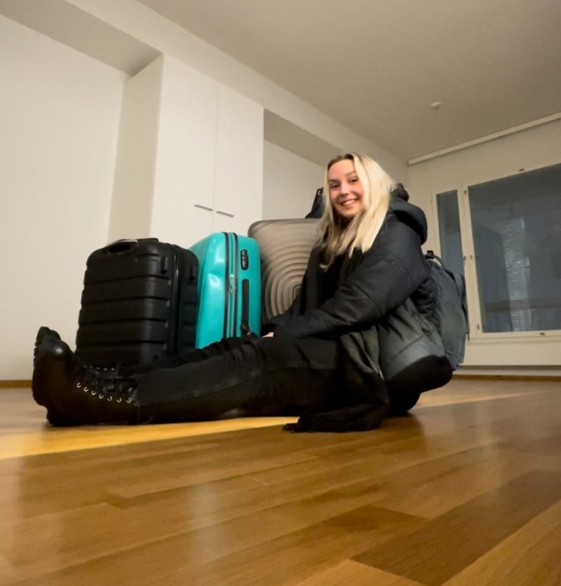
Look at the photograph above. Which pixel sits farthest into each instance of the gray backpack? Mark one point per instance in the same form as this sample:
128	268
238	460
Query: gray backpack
450	310
420	349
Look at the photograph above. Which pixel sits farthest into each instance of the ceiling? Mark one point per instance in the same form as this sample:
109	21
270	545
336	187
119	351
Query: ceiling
377	66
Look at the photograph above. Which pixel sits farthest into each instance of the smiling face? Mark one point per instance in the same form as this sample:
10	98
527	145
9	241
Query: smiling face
345	190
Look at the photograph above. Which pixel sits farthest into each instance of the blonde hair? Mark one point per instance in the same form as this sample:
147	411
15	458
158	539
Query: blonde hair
338	237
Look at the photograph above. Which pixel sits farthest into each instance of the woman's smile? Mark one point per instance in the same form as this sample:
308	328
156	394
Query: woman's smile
345	190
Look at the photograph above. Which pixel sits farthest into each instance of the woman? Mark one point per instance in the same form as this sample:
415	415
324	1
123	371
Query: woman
319	359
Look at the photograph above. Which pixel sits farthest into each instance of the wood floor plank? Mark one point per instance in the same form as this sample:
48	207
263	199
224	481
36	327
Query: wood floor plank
529	556
351	572
308	551
448	482
275	512
257	553
465	490
449	543
16	437
6	570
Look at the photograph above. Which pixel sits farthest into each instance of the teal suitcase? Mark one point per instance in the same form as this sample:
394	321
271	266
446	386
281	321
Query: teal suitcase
229	287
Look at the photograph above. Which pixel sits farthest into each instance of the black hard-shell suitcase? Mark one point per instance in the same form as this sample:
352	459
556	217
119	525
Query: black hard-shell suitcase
139	304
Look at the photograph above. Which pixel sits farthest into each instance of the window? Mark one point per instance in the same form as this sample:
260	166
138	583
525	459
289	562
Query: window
516	226
449	227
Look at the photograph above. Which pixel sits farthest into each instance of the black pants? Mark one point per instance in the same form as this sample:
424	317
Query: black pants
251	376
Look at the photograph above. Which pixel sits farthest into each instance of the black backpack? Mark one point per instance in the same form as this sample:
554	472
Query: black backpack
420	350
318	206
450	309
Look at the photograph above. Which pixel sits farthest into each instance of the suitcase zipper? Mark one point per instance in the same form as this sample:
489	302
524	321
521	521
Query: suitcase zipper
245	327
236	276
227	287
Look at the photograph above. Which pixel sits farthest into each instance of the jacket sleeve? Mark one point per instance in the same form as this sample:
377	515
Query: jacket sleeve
383	279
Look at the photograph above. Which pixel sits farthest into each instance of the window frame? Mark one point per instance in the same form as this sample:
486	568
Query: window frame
470	268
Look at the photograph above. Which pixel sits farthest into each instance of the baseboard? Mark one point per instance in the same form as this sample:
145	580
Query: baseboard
513	377
510	372
15	384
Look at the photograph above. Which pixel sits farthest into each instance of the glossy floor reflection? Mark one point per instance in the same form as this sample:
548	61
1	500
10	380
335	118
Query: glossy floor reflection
466	490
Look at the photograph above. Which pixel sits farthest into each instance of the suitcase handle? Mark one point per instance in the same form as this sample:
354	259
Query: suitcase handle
125	245
245	327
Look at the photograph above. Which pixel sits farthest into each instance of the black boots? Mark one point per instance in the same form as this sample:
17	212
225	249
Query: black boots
75	394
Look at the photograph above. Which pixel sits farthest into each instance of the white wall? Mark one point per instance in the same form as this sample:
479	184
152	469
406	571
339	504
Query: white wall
136	155
59	117
190	159
529	149
140	22
290	183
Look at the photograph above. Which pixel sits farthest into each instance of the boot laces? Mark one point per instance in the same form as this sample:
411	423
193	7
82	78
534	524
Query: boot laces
106	384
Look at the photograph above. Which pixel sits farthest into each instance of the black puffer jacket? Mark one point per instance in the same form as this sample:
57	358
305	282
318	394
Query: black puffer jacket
370	286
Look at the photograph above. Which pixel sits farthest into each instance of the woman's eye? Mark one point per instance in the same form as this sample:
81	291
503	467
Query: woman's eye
353	180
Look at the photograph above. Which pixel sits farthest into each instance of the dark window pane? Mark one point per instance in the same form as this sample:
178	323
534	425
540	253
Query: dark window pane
517	238
449	228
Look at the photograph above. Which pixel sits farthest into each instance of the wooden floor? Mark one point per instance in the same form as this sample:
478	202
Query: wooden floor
465	491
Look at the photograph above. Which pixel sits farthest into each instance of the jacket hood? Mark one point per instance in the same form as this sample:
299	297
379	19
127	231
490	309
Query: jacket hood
409	214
